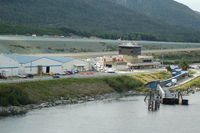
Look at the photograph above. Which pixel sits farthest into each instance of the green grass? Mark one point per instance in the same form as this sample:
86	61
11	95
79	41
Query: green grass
148	77
193	83
51	90
124	83
191	72
13	96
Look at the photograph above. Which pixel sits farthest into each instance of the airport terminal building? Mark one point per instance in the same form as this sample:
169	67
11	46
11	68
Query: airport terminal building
130	58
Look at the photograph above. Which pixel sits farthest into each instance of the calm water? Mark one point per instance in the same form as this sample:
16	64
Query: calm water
127	115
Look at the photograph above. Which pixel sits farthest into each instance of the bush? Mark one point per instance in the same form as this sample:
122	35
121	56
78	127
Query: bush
123	83
17	94
13	96
184	65
168	68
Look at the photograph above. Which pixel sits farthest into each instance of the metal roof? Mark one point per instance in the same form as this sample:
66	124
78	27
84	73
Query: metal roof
23	59
59	59
130	45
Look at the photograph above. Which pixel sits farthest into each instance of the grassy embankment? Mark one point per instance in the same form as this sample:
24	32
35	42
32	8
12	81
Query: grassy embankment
193	83
51	90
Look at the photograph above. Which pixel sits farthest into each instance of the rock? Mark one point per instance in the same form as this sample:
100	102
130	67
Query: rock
12	110
81	101
58	102
43	105
91	99
15	110
74	101
66	101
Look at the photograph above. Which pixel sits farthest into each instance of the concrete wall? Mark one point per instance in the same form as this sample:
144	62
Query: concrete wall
8	66
120	67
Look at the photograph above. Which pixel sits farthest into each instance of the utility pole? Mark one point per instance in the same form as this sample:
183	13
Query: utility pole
162	57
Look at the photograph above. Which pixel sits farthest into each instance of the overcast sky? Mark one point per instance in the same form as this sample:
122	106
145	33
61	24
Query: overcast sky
194	4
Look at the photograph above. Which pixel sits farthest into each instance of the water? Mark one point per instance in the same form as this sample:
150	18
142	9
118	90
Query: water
126	115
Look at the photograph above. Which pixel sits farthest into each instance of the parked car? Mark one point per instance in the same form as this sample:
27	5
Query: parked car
21	76
60	73
110	70
2	76
51	74
25	75
69	72
174	81
75	71
168	85
29	75
56	76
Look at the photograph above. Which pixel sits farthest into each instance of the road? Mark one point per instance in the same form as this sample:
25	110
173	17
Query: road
194	76
95	54
20	80
184	81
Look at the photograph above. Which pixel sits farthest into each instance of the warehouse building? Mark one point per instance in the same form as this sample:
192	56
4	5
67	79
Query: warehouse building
13	64
8	66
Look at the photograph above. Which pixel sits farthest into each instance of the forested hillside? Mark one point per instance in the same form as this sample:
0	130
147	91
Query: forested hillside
168	11
127	19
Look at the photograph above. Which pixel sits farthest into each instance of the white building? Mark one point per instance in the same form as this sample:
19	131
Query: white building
8	66
12	65
48	66
76	64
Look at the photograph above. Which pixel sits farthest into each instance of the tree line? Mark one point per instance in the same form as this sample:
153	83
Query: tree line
12	29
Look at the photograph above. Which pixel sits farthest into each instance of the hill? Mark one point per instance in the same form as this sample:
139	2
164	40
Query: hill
100	15
168	11
103	18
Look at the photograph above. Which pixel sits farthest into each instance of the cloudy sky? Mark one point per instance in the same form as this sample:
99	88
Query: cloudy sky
194	4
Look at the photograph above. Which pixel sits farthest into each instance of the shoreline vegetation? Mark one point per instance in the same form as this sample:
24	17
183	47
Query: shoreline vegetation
18	98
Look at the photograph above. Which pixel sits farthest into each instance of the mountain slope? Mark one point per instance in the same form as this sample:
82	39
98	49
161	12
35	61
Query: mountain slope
97	15
87	14
164	20
168	11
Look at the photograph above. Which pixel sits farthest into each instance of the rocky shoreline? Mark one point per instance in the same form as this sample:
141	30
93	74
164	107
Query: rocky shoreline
20	110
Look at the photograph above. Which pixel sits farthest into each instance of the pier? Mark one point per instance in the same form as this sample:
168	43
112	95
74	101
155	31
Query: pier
160	92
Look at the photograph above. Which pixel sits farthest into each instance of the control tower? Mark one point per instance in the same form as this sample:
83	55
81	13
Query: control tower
130	49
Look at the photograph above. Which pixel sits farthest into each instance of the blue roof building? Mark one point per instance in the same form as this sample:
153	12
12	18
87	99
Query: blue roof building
24	64
24	59
15	64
